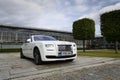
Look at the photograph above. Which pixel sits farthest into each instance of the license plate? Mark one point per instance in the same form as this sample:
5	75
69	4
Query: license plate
65	53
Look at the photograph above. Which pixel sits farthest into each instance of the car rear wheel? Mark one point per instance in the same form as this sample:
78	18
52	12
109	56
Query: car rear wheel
37	57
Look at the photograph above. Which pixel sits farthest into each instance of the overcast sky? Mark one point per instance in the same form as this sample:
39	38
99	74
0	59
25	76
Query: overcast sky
53	14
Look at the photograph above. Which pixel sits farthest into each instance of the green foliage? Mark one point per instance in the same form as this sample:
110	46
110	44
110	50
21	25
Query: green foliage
10	50
84	29
110	25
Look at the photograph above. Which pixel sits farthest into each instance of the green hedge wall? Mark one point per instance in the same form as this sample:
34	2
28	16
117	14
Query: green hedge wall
9	50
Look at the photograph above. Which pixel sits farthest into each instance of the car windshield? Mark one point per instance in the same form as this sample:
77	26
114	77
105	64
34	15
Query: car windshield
44	38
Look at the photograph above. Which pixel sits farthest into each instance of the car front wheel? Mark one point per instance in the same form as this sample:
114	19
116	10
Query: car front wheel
37	57
21	54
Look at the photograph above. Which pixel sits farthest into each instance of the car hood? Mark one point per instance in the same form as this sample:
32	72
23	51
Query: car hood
56	42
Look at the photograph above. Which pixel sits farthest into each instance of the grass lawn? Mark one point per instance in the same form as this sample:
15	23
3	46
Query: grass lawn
100	53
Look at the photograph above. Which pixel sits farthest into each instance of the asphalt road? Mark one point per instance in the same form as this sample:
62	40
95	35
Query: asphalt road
14	68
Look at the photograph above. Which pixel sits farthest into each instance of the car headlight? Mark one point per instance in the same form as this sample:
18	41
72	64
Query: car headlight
49	45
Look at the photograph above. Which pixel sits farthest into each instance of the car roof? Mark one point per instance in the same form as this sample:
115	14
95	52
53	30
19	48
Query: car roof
41	35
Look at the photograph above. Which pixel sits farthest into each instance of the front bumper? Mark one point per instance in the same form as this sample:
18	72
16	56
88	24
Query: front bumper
58	57
64	52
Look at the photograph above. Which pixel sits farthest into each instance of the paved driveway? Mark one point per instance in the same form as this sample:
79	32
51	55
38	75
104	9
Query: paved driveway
12	67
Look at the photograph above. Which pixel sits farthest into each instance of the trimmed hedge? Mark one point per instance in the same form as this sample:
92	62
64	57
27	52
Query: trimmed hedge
10	50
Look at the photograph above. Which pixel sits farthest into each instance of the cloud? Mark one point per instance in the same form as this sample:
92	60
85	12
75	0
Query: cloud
52	14
18	12
81	8
110	8
95	15
80	2
35	13
54	20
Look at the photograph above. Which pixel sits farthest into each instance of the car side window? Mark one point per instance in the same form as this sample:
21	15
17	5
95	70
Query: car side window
36	38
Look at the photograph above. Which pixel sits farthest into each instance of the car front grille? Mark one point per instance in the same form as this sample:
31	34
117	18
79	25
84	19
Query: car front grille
64	48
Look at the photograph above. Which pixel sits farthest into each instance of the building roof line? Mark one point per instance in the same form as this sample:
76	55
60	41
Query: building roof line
30	28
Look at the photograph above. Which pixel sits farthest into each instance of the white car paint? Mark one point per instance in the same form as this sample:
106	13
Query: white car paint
50	49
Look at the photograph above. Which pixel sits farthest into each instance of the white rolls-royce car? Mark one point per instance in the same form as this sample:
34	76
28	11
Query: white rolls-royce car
46	48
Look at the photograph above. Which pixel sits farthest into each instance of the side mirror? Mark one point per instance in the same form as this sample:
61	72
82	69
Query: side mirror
28	40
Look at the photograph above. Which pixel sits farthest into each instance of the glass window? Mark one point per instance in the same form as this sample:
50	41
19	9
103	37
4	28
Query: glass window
44	38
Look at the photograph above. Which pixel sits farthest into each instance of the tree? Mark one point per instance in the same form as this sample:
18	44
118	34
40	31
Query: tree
84	29
110	27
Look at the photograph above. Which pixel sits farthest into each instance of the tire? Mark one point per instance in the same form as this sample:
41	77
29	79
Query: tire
37	57
21	54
